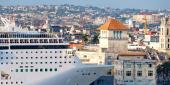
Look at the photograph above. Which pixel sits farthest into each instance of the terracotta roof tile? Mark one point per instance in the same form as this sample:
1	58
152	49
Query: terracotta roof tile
113	24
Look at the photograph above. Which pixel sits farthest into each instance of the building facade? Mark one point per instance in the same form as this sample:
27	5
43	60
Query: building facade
113	36
134	72
164	41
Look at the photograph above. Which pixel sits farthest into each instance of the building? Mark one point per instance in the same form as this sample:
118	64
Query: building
134	72
113	36
164	41
113	39
151	18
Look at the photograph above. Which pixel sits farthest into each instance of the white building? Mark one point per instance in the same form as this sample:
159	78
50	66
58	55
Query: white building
165	35
113	36
113	39
135	72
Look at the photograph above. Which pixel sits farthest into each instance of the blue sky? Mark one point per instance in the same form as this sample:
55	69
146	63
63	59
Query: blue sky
142	4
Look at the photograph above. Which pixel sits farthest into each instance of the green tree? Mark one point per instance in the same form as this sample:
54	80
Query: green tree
95	39
85	38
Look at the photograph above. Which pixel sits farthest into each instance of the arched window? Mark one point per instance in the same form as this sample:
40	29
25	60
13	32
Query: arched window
167	31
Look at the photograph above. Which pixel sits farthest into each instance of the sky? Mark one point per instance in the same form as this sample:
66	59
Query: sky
139	4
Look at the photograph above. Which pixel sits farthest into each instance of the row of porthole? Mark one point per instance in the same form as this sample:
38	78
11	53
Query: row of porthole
36	70
30	52
87	74
9	83
37	62
33	57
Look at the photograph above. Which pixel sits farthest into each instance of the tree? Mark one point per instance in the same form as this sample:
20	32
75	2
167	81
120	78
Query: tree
85	38
95	39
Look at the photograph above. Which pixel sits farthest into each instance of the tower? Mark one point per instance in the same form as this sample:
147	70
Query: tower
164	39
113	36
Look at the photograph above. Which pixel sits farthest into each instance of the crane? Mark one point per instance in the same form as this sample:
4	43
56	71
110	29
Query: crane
145	25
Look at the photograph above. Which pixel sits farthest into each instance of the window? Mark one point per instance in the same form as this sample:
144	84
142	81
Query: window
41	70
26	70
150	65
150	73
139	65
16	70
55	69
36	70
31	70
46	70
139	73
128	65
51	69
128	73
21	70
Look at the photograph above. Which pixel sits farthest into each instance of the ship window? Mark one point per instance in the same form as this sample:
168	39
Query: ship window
46	70
21	70
6	82
55	51
55	56
51	57
60	51
55	62
36	70
45	62
31	70
1	57
11	57
26	70
51	69
16	82
51	62
55	69
16	70
6	57
41	70
50	51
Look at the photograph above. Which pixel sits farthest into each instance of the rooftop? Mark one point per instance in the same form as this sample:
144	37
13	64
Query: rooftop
132	54
113	24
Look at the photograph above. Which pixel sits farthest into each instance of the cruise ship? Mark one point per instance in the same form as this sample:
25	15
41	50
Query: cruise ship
36	58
